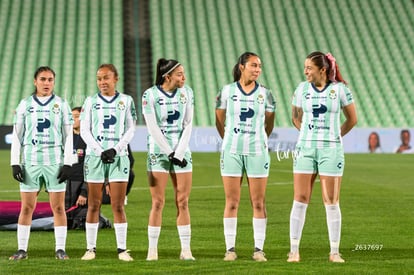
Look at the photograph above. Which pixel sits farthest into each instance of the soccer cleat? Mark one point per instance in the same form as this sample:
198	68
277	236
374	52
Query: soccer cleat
152	254
186	255
293	257
61	255
90	254
124	256
336	258
230	256
19	255
259	256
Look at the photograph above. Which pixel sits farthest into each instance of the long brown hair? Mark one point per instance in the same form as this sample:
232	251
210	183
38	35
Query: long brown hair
322	60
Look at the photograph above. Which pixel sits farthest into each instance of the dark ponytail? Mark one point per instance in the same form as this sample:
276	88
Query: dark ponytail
242	61
164	68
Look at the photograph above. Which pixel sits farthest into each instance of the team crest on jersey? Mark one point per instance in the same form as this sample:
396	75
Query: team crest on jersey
152	159
56	108
332	94
121	105
183	98
260	99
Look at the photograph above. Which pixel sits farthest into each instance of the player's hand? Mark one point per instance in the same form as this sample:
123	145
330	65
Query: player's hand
18	173
64	173
176	161
182	163
108	156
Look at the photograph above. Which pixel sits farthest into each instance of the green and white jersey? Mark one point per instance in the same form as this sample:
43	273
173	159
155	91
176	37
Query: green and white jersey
109	123
245	117
43	124
321	125
173	112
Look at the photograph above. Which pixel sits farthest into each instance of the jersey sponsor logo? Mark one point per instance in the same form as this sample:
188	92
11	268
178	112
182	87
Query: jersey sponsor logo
103	138
161	102
32	109
311	127
108	121
42	124
42	142
242	131
236	98
173	115
318	109
246	113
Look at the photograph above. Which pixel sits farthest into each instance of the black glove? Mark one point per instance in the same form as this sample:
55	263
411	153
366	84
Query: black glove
176	161
64	173
108	156
18	173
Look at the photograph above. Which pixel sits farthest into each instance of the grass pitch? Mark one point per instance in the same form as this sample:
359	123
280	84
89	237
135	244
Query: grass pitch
377	202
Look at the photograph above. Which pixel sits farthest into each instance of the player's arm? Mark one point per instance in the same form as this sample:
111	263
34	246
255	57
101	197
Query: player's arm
68	141
269	122
128	135
220	121
85	130
17	137
297	114
350	118
156	133
186	134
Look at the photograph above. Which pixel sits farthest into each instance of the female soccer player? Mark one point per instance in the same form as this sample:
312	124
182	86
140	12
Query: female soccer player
107	126
168	111
317	105
41	154
245	113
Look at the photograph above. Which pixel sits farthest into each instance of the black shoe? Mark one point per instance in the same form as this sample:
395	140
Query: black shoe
61	255
19	255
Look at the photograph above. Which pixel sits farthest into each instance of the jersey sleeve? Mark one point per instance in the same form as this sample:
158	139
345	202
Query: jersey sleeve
221	99
147	103
270	102
131	117
187	127
17	135
297	96
85	128
154	130
345	96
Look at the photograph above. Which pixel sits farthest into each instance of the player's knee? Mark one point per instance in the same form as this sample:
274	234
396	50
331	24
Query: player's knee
158	204
182	202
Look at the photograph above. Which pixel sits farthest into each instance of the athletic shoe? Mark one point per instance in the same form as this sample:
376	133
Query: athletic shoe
124	256
186	255
293	257
259	256
230	256
19	255
152	254
336	258
90	254
61	255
